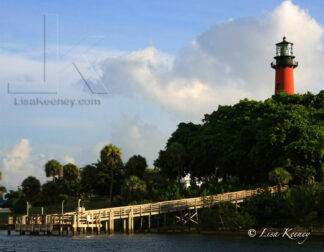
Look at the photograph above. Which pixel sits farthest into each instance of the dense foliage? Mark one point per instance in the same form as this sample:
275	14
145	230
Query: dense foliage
250	139
3	190
300	205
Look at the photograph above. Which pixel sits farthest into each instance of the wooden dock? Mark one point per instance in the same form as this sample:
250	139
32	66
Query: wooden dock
84	221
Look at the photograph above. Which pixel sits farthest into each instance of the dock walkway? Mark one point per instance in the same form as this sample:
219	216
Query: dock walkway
84	220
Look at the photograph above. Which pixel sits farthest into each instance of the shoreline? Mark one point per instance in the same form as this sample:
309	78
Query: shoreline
241	232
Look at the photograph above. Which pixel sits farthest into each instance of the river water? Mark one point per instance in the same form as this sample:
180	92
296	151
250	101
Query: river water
155	242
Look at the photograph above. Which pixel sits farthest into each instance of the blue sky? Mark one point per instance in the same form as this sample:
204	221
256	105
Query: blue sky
130	25
162	62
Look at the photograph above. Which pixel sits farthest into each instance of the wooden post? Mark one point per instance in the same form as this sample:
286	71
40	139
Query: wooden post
61	230
74	225
124	226
132	214
98	224
149	223
141	224
111	223
68	230
106	227
78	219
130	221
91	223
236	200
141	219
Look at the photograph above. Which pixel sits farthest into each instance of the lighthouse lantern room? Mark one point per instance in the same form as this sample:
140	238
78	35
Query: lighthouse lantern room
284	66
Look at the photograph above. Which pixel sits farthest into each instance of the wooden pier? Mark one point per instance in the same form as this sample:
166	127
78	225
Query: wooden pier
90	221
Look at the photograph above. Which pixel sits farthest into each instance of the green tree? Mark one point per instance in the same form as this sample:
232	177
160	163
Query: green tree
89	180
53	169
159	187
175	159
134	188
31	188
71	179
111	156
3	190
251	138
70	172
136	165
16	201
50	192
279	176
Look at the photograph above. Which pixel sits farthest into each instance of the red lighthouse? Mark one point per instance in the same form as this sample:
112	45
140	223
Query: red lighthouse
284	66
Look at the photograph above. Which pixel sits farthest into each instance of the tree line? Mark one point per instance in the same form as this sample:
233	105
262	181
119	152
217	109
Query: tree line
247	145
109	178
246	141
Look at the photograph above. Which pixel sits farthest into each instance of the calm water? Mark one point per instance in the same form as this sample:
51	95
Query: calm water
154	242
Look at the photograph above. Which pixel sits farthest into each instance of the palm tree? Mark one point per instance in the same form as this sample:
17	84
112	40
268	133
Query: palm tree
134	188
111	156
70	172
280	176
53	168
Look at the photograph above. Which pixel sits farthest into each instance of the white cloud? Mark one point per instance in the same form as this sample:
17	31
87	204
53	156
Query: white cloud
228	62
68	159
135	137
20	163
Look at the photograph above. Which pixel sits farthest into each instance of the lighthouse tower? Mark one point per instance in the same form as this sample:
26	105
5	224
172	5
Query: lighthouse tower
284	66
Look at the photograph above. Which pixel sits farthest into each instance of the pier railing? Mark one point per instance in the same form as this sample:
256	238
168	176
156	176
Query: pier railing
172	205
82	218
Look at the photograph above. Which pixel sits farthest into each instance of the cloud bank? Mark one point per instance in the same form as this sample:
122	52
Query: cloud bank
20	162
228	62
